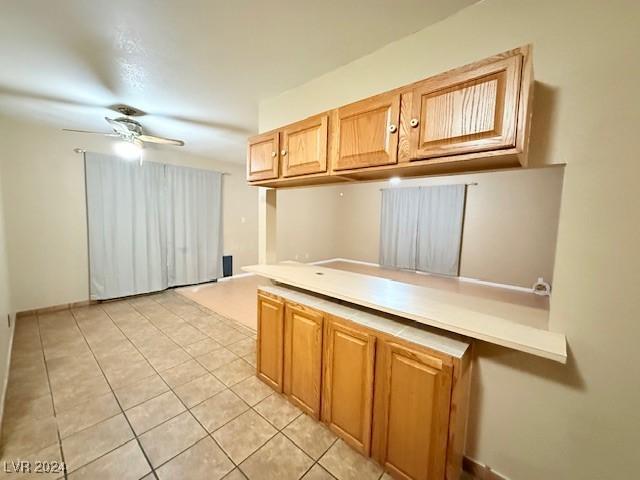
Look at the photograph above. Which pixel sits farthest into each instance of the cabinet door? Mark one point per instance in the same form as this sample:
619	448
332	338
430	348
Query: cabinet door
348	383
469	111
262	157
270	333
413	393
304	147
303	357
367	133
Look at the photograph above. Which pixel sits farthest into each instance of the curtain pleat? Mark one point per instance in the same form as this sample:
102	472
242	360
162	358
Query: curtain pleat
150	226
194	216
421	228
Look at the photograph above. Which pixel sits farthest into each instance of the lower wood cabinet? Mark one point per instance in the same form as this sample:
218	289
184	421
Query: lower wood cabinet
269	348
400	402
413	397
303	357
349	356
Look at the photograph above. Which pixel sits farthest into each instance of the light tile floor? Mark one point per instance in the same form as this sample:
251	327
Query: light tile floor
156	387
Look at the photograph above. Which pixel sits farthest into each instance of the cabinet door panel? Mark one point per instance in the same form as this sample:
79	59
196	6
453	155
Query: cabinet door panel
367	133
348	383
304	147
303	357
262	157
416	395
471	111
270	348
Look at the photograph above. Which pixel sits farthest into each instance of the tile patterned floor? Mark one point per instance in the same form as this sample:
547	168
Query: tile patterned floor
157	387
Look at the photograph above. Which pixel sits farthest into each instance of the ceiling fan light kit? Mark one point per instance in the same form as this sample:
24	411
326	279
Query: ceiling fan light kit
128	149
131	133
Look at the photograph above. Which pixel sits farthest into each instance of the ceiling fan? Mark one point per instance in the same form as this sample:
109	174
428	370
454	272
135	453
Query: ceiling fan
130	131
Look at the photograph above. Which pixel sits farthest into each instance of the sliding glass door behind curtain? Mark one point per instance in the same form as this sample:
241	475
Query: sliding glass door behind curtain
150	226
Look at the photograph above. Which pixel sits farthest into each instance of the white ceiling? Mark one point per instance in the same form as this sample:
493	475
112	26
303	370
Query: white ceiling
197	67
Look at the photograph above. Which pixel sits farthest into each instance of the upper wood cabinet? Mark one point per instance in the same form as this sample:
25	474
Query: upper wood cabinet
367	133
304	147
413	394
472	118
262	157
348	382
303	357
470	110
270	349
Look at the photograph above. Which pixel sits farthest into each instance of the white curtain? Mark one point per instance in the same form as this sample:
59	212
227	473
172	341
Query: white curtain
150	226
193	225
421	228
440	229
399	227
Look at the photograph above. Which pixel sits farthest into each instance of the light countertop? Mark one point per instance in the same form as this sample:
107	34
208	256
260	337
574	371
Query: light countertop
510	325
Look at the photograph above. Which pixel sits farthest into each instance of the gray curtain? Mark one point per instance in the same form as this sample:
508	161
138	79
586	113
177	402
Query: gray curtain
399	227
194	243
150	226
421	228
440	229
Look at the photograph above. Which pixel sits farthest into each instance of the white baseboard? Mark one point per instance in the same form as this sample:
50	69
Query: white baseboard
462	279
348	260
237	275
6	373
477	281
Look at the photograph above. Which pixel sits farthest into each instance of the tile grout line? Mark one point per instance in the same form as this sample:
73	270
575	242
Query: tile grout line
189	409
209	434
53	405
281	431
116	399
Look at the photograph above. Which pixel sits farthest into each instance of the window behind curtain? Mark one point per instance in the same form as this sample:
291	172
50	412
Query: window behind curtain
151	226
421	228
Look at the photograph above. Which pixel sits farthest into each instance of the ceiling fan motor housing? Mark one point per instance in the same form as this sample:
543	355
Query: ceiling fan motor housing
134	127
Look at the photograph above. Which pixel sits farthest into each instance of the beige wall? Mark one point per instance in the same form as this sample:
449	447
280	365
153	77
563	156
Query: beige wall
510	224
5	302
44	197
510	227
533	419
307	224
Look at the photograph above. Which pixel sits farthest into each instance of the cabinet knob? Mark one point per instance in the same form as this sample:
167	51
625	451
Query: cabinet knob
274	154
283	153
414	122
393	128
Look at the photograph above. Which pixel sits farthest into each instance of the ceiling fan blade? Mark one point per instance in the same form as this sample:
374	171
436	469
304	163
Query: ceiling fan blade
117	126
87	131
164	141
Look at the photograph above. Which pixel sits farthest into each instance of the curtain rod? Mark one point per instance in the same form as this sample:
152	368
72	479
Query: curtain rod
83	151
470	184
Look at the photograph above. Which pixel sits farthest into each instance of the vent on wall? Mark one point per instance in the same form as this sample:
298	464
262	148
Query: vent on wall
227	265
